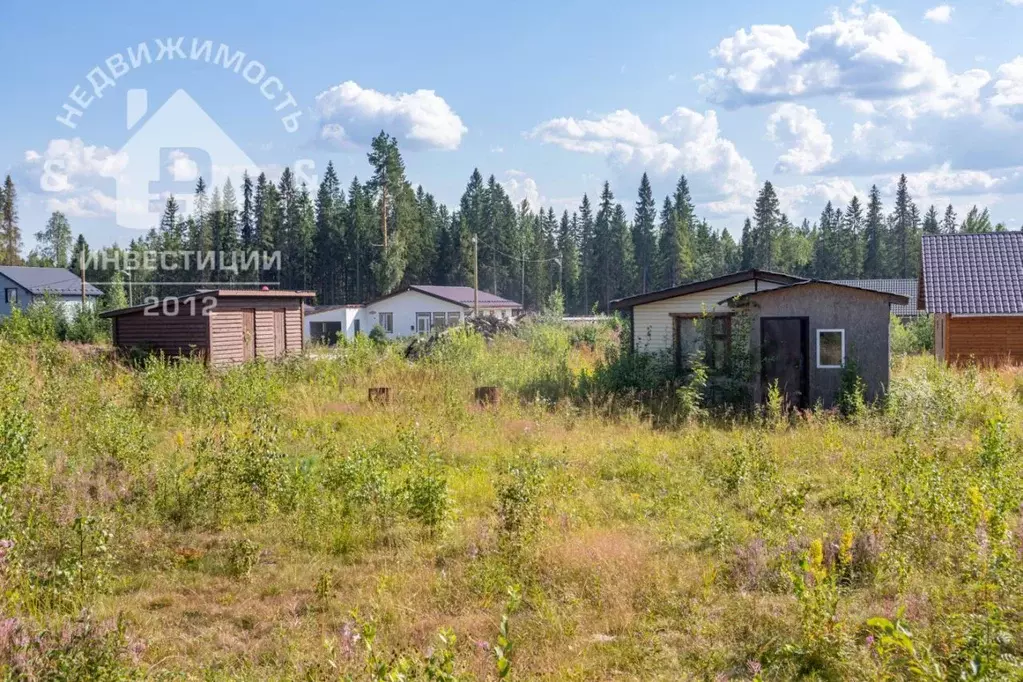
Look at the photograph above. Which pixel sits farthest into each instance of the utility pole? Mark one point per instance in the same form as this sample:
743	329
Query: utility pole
523	275
475	277
81	269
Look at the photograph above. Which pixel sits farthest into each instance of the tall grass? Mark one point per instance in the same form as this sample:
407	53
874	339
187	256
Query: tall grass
269	522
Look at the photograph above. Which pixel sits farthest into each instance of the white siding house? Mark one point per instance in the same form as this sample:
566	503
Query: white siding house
658	317
417	309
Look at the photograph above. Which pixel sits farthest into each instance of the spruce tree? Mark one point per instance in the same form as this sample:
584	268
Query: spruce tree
901	262
746	246
587	256
950	222
568	253
766	222
850	255
670	249
873	239
248	227
329	242
643	237
931	224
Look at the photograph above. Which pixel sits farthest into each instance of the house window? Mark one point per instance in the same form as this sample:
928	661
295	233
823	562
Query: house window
709	335
11	296
830	348
440	321
454	319
358	327
422	323
387	322
719	338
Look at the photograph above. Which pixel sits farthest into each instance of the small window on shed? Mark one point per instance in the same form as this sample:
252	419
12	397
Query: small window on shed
11	296
830	348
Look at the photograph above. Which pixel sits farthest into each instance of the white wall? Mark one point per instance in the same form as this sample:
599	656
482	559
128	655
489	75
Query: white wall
404	307
346	316
652	322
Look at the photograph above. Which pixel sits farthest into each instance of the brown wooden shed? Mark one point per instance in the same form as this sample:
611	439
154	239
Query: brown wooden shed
973	285
224	326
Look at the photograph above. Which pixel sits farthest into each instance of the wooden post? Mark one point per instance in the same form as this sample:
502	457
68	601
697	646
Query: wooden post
380	394
475	278
488	395
81	267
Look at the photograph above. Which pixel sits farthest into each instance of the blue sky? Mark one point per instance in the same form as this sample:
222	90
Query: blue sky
551	98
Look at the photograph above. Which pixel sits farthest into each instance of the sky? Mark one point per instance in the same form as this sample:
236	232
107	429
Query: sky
552	98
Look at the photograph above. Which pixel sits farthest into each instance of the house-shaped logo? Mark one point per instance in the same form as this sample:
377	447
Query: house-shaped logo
167	153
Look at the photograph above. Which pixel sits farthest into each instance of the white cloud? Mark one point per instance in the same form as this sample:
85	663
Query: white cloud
806	200
520	186
860	56
943	181
65	163
684	141
92	203
810	146
942	14
420	119
1009	86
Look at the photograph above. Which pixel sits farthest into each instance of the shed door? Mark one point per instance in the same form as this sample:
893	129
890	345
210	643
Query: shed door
279	337
248	334
784	354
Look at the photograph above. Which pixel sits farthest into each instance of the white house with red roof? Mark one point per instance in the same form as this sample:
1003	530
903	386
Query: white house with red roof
416	309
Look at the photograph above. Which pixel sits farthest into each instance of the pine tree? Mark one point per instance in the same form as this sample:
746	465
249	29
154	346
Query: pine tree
10	232
387	184
874	256
644	240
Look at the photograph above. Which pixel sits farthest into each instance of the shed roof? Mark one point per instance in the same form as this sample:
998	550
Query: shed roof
462	296
41	281
894	299
902	287
973	274
705	285
216	293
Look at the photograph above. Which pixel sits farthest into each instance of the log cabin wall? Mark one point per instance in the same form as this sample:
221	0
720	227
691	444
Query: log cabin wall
984	340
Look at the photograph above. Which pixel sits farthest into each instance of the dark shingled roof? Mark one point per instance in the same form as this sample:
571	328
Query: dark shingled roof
901	287
973	274
40	281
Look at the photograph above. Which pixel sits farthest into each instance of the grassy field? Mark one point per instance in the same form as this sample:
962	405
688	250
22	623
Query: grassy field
271	523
